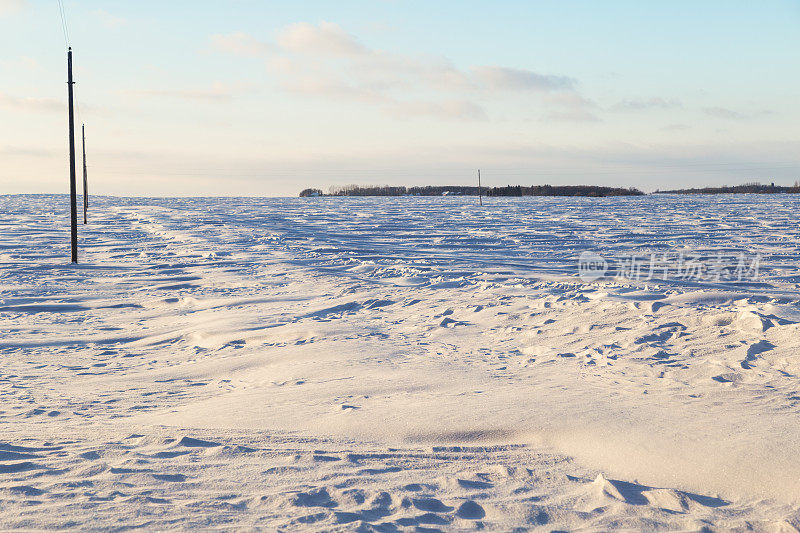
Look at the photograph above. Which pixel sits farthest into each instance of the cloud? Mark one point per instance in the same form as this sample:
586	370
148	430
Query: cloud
326	38
108	20
448	110
22	63
570	100
9	7
676	127
314	84
504	78
30	103
643	105
239	44
331	87
570	107
725	113
397	86
327	62
573	116
28	151
217	92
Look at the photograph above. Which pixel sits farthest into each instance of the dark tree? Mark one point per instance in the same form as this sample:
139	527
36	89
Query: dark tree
310	192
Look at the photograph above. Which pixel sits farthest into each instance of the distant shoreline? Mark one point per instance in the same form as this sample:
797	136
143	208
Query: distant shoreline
465	190
511	191
751	188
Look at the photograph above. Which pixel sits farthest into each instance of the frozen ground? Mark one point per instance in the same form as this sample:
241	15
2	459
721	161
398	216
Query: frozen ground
397	364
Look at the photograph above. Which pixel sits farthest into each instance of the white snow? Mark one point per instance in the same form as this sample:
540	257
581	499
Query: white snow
397	363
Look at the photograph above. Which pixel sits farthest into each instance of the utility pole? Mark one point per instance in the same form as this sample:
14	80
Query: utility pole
72	186
85	177
480	191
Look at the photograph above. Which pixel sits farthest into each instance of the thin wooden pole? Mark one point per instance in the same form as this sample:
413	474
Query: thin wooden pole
480	191
85	176
73	195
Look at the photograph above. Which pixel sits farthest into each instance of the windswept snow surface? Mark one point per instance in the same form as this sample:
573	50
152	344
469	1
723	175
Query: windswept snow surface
397	364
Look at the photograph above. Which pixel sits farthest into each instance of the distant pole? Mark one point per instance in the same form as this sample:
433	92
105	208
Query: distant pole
85	177
73	195
480	191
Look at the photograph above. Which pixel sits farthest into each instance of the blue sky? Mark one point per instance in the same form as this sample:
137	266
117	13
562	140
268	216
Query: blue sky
238	97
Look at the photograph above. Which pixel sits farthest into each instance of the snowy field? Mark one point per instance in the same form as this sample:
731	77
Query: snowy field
400	364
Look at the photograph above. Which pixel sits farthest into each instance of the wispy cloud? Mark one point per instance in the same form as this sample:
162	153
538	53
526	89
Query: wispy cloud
8	7
571	107
325	38
216	92
240	44
572	116
21	63
326	61
446	110
28	151
108	20
676	127
30	103
730	114
515	79
316	81
646	104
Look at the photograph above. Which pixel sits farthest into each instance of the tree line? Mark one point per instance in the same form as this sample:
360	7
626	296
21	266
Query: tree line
746	188
468	190
562	190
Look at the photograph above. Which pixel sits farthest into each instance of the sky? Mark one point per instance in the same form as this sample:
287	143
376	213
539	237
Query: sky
265	98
